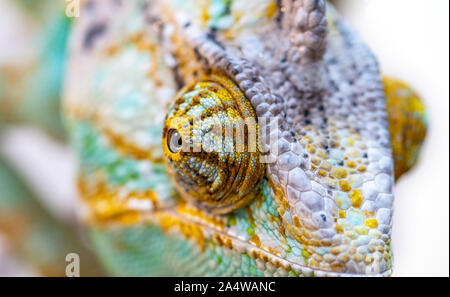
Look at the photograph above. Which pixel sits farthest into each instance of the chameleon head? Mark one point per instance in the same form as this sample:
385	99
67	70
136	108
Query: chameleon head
210	142
325	204
330	167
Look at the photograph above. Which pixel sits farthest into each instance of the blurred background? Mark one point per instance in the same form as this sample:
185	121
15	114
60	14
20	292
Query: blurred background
411	40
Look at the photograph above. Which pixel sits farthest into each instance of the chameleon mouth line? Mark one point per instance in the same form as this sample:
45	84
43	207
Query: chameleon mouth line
152	217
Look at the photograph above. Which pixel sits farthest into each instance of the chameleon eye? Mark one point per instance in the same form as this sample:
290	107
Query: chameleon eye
210	143
175	142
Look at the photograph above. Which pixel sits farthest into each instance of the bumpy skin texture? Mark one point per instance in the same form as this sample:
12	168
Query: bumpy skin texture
214	165
325	205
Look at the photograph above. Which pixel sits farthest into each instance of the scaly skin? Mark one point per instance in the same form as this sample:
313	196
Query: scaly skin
325	205
322	206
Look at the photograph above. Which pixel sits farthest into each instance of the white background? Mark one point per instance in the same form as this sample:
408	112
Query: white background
411	39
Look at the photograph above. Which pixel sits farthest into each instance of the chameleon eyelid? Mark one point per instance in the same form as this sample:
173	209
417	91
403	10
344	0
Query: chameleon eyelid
216	175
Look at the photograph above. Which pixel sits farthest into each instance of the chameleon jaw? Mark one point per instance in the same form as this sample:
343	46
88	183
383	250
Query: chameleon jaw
198	226
356	202
201	229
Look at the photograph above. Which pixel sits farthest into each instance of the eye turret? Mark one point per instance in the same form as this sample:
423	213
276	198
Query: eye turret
211	145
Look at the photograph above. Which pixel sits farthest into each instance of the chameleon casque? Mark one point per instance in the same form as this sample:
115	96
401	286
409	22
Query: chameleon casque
143	82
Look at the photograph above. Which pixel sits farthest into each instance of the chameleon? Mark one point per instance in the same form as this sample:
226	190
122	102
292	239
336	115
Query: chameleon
301	184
